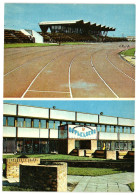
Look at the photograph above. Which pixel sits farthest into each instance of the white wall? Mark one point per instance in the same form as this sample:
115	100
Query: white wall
62	115
126	136
9	131
44	133
87	117
126	122
107	136
33	112
108	120
28	132
38	37
9	109
54	133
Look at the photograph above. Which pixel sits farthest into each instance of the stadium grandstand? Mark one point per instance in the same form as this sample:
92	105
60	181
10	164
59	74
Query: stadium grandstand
62	31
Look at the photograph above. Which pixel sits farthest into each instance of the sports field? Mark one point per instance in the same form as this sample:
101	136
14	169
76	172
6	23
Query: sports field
68	71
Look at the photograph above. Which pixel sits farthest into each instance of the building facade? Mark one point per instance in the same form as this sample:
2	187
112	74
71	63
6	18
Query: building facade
28	129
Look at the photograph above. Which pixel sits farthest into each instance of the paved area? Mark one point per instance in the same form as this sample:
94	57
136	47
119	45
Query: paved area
106	183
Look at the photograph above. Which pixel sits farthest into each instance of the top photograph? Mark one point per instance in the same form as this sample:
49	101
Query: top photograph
69	50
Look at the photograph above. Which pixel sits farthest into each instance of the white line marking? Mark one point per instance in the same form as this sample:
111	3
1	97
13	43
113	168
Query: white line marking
69	78
49	91
70	74
119	69
36	77
103	79
14	70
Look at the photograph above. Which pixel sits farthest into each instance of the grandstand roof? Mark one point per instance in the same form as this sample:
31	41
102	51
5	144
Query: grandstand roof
69	22
60	22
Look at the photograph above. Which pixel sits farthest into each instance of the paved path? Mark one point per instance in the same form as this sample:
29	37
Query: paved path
106	183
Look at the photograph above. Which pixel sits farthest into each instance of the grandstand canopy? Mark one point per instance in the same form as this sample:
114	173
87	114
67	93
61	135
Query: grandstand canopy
73	26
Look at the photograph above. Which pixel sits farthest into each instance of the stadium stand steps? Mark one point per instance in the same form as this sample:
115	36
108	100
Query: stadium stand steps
15	36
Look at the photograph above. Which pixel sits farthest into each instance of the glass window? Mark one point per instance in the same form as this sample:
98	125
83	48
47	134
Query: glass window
98	128
28	122
43	124
51	124
69	123
108	128
116	129
103	128
112	129
63	123
120	129
93	125
57	124
81	123
133	130
4	121
11	121
20	122
36	123
87	124
76	123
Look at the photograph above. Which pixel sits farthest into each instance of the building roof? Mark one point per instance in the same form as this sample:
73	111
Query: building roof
50	23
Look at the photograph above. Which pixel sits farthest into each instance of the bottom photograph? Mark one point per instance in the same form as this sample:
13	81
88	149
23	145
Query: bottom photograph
68	145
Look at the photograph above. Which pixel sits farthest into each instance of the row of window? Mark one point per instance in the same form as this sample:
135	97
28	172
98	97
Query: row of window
35	123
42	123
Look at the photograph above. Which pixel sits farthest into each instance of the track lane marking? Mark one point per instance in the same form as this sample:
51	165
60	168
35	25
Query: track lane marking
70	73
119	69
41	72
36	77
103	79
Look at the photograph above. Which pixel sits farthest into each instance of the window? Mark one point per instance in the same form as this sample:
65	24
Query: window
20	122
36	123
112	129
4	121
51	124
11	121
43	124
28	122
63	123
120	129
93	125
57	123
69	123
87	124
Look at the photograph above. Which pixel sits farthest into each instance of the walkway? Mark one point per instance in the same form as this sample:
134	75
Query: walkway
106	183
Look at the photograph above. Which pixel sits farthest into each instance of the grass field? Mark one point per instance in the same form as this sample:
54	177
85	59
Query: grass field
131	185
16	45
53	157
129	52
87	171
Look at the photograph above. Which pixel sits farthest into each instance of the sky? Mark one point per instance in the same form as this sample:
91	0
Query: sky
121	108
28	15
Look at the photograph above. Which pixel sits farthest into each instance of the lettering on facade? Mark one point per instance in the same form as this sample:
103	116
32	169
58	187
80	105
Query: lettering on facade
82	132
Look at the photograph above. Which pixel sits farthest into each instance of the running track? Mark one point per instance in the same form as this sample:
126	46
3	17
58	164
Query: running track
79	71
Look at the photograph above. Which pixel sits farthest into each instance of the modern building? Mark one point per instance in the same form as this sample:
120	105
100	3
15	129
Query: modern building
28	129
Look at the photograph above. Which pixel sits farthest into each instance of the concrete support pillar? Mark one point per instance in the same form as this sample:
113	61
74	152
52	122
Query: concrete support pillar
71	145
93	145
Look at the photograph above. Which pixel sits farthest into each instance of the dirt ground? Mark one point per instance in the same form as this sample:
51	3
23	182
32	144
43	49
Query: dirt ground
78	71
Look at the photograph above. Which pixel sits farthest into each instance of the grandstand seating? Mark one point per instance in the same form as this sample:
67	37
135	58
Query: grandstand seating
15	36
63	37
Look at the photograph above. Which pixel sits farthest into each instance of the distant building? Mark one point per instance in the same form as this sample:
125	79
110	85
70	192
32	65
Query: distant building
131	38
